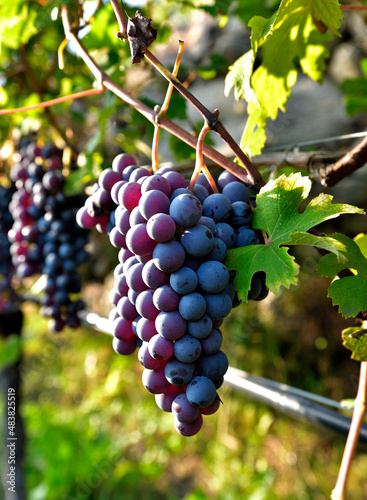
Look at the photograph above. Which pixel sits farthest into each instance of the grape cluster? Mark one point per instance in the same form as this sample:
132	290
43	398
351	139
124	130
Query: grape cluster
45	238
7	294
172	290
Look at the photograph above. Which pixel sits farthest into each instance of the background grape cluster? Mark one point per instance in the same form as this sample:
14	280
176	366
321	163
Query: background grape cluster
172	290
7	294
44	237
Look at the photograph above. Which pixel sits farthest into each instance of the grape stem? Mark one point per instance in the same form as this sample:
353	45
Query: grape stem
163	110
250	176
199	163
360	408
210	118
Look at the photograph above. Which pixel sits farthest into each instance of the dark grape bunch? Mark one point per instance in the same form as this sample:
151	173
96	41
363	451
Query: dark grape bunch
172	290
7	294
45	238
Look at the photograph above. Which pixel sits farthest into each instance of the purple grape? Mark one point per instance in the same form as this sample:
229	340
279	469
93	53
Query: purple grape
121	162
200	192
187	349
241	214
192	306
139	173
124	347
207	222
213	366
200	328
147	360
211	409
134	279
115	191
164	400
161	348
145	329
136	217
126	309
144	305
178	373
120	285
185	210
166	299
169	256
183	410
175	179
226	233
122	329
213	276
201	392
189	429
153	202
153	277
218	252
225	178
161	227
108	179
155	381
212	343
117	239
122	219
197	241
184	280
129	195
138	240
218	305
217	206
236	191
246	236
171	325
156	182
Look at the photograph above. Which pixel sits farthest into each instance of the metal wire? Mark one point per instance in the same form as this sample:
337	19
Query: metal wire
296	403
325	140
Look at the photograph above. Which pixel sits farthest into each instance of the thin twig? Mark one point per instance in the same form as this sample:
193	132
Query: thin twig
350	162
164	108
52	102
360	407
353	7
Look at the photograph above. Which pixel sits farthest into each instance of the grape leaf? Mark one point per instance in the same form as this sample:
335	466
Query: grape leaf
288	39
361	240
277	214
355	339
349	293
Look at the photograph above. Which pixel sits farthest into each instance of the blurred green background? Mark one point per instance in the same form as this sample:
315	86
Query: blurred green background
94	432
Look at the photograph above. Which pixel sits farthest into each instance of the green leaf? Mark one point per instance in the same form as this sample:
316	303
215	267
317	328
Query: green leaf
288	39
361	240
348	293
17	23
355	339
10	350
329	13
324	242
277	214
